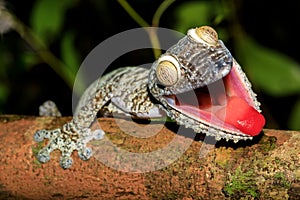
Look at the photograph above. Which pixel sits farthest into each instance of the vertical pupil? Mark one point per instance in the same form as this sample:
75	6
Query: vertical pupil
166	74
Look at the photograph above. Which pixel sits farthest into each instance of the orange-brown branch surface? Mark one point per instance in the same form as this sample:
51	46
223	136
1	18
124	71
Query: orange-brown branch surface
265	168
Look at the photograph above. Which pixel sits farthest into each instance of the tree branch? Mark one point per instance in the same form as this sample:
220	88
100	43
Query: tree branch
266	168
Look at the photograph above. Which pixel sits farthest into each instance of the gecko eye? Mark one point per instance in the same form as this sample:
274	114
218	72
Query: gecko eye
204	34
167	70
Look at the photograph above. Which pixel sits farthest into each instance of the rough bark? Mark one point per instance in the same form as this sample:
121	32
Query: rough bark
268	167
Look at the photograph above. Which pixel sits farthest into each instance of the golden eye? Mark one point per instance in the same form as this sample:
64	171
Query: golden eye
167	71
206	34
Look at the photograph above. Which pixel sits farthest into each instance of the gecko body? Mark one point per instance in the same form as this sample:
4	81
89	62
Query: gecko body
184	74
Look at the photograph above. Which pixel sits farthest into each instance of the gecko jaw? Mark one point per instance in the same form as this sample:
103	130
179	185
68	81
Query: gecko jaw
229	96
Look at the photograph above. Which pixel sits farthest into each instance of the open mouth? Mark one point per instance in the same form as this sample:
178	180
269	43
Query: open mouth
226	104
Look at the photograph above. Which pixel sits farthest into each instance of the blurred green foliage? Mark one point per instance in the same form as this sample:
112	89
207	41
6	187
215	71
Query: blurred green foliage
293	122
47	21
47	18
272	73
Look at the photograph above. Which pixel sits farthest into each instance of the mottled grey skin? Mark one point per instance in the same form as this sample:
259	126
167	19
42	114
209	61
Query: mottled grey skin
132	91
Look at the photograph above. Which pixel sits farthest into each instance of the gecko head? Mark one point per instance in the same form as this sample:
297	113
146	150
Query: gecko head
196	60
198	80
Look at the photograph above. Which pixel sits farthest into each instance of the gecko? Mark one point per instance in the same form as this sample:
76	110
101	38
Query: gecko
196	82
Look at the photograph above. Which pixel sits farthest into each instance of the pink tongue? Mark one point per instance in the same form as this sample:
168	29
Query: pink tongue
242	116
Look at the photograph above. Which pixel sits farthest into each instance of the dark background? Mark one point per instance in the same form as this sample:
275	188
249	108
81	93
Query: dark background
273	24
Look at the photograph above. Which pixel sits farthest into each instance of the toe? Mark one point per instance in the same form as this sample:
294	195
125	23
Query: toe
39	136
43	156
66	162
85	154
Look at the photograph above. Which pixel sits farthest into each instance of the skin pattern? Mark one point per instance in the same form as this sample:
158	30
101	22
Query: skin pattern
138	92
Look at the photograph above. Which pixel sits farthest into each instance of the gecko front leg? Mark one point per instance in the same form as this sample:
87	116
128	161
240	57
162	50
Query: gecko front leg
123	90
75	134
65	139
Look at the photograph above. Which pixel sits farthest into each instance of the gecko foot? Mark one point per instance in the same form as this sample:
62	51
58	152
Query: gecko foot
66	140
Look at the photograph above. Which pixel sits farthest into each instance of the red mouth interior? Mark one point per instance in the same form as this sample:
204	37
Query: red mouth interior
224	104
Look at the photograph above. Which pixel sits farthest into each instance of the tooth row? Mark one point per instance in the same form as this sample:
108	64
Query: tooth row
209	130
